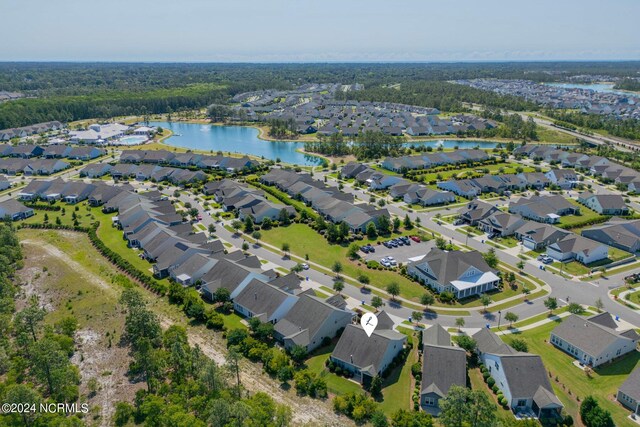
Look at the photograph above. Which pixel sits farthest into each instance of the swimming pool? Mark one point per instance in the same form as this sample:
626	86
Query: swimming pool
131	140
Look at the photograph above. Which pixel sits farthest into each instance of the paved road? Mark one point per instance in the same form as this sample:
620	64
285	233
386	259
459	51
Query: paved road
577	291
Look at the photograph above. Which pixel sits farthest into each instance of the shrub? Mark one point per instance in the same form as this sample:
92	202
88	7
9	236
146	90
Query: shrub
491	381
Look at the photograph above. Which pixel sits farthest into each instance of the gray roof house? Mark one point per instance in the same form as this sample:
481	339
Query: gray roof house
502	223
442	367
547	209
618	233
4	183
535	235
574	247
475	211
261	300
310	321
521	377
366	357
565	178
14	210
464	273
595	340
604	204
629	392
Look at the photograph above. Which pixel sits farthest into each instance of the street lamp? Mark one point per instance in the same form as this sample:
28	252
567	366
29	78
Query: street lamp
499	318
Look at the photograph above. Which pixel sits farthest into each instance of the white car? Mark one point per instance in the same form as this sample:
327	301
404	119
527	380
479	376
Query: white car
305	266
392	260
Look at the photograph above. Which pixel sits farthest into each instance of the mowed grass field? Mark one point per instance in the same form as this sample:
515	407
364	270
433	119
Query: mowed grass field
572	382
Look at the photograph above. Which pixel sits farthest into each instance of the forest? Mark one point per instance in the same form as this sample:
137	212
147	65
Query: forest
76	91
628	128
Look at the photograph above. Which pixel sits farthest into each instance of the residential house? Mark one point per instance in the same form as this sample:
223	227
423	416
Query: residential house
629	392
546	209
595	340
501	223
616	232
536	236
14	210
443	366
367	356
465	274
261	300
310	322
475	211
564	178
462	187
604	204
521	377
4	183
574	247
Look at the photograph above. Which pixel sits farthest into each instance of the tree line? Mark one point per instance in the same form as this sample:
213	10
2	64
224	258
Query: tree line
624	128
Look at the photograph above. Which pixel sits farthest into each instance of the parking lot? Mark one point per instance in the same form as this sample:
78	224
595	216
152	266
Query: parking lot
401	253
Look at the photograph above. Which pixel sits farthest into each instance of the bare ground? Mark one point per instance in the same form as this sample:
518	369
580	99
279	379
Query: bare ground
99	357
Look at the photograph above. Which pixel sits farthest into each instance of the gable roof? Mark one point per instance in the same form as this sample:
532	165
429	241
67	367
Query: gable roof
364	352
590	335
436	335
443	367
631	386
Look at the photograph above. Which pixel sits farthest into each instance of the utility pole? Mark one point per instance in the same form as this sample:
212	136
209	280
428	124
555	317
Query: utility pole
499	317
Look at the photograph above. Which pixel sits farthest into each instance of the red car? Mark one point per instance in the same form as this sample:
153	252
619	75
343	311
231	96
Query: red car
415	239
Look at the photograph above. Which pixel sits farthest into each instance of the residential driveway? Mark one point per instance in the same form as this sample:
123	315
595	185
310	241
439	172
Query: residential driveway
401	253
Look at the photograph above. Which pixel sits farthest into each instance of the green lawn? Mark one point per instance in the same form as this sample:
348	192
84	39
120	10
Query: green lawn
335	383
586	214
509	241
497	169
397	387
603	384
303	240
554	136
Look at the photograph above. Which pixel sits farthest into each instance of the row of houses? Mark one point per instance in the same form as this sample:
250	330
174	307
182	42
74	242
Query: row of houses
602	167
247	201
71	192
218	162
562	245
53	151
331	203
429	160
21	132
32	166
144	172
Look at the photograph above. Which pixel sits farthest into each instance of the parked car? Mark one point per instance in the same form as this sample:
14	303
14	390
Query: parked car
305	266
385	262
392	260
393	243
387	244
458	222
365	249
415	239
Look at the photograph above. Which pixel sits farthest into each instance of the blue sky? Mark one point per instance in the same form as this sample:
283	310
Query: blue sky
318	30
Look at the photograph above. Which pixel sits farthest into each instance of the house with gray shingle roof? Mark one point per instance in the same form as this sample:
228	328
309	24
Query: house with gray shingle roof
464	273
367	357
261	300
575	247
604	204
14	210
521	377
442	367
629	392
616	232
547	209
595	340
310	321
502	223
476	211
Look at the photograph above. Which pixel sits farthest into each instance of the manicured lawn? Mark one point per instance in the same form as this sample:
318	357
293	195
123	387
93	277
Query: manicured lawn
509	241
472	230
555	136
603	384
497	169
397	388
335	383
586	214
573	267
303	240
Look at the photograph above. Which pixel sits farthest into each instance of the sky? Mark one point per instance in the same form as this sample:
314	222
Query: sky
318	30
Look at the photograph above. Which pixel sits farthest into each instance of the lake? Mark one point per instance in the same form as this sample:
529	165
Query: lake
596	87
244	140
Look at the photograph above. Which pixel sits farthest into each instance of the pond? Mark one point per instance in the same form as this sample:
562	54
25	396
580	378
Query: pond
244	140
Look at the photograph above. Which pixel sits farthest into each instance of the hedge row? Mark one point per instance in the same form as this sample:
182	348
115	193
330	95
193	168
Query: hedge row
42	206
119	261
124	265
285	199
